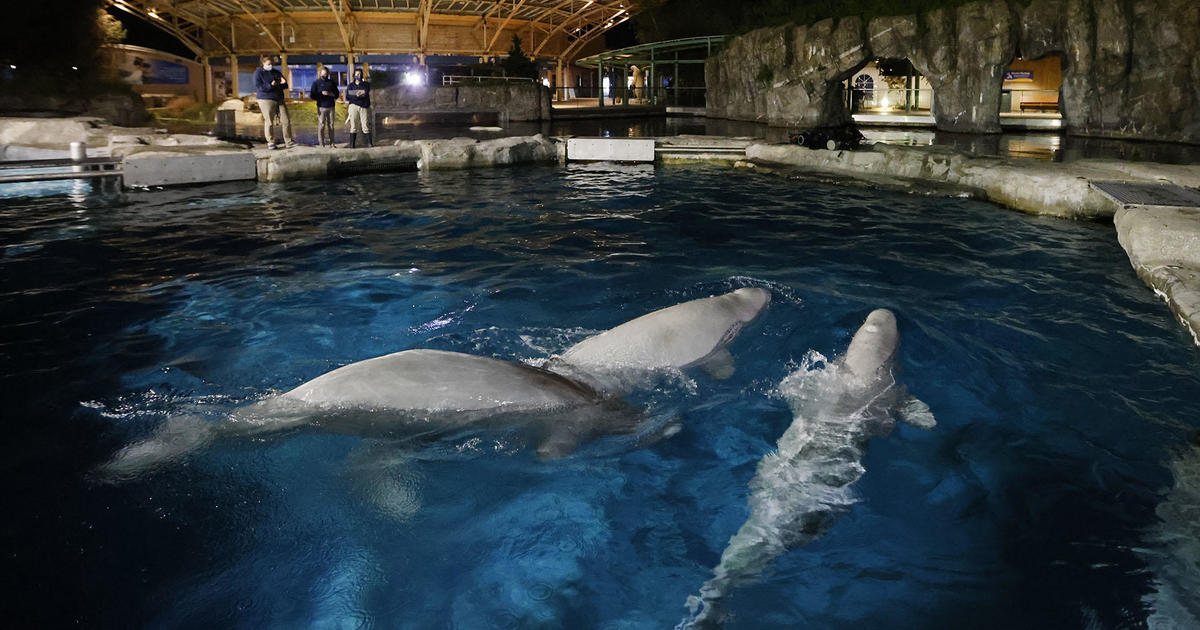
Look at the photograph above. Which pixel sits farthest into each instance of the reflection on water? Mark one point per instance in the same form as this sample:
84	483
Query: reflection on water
1061	387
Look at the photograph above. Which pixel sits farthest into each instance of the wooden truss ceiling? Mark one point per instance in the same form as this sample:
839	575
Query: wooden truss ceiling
558	28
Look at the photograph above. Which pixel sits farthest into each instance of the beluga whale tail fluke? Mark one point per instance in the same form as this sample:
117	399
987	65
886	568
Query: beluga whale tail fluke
691	334
799	489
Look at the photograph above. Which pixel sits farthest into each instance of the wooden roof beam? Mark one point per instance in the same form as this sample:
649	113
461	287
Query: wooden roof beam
565	22
596	32
262	26
503	24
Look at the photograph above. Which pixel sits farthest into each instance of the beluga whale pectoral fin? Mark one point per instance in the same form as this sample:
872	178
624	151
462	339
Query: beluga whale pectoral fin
719	365
917	413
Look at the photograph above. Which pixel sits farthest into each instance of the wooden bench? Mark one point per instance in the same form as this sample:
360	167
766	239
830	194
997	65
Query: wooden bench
1041	106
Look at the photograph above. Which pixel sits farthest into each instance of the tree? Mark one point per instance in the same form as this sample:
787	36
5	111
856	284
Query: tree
518	64
111	29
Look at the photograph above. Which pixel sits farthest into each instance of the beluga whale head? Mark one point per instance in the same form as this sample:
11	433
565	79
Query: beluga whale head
691	334
873	347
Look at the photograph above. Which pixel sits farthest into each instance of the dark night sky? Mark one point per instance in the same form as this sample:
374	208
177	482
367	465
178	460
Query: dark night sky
142	33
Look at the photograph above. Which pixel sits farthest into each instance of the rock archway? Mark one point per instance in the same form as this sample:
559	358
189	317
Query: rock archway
1129	69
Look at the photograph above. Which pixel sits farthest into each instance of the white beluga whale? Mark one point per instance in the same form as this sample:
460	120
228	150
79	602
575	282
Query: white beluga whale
413	393
800	488
432	393
691	334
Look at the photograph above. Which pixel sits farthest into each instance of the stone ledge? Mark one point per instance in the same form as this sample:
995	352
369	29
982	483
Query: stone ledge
171	168
1047	188
471	153
1163	244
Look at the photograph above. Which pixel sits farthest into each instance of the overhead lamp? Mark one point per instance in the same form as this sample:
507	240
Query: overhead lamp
412	77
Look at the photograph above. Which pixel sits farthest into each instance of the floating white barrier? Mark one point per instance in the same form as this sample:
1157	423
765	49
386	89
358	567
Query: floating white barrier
611	149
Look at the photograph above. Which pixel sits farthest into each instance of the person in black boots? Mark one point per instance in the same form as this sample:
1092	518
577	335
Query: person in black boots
325	92
358	94
270	87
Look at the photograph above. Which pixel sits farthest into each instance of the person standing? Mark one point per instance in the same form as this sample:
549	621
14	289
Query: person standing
270	87
358	94
325	92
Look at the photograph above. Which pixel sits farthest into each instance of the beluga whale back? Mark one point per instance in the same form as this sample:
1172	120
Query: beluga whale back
432	392
691	334
405	394
798	491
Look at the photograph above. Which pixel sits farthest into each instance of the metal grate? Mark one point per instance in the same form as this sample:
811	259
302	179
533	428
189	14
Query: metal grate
1149	194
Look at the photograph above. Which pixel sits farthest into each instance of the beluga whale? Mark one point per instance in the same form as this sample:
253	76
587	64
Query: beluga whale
799	489
691	334
422	393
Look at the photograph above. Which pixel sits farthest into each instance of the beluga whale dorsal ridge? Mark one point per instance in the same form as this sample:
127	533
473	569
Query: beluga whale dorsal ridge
423	392
799	489
694	333
405	394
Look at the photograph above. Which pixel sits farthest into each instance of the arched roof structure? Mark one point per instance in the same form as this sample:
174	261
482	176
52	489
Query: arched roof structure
549	29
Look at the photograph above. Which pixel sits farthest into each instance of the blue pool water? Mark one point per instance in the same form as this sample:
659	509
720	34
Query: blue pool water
1053	493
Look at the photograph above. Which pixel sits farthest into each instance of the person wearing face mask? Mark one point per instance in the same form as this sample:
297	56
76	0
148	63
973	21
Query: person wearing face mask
325	92
358	94
270	87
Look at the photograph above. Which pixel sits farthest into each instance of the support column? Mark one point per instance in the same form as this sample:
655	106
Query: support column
675	81
286	70
560	84
651	86
233	79
208	81
625	85
600	81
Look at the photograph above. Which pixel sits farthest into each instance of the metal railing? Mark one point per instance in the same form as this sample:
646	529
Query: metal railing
81	167
890	100
457	79
589	96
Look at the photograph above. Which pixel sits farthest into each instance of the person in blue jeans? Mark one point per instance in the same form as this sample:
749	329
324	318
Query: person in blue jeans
270	87
325	92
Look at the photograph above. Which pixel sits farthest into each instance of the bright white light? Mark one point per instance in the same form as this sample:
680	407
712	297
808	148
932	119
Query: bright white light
12	66
884	104
604	83
412	77
74	67
545	82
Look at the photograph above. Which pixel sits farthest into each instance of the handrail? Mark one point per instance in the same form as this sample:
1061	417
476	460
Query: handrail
623	55
455	79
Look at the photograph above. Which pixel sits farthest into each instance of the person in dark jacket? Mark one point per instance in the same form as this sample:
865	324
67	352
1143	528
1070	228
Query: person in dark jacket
270	87
325	92
358	94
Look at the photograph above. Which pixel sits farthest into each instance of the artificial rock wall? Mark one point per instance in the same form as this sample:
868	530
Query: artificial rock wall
1131	68
512	101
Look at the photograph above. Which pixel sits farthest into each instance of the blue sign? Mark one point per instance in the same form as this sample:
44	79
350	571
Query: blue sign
165	72
1018	75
